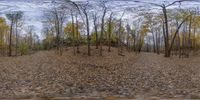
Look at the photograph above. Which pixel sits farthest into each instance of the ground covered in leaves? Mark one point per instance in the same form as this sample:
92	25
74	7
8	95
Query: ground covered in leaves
145	75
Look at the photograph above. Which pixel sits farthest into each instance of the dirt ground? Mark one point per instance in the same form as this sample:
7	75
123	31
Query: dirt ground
146	75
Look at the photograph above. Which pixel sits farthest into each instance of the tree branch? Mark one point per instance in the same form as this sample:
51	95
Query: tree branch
177	32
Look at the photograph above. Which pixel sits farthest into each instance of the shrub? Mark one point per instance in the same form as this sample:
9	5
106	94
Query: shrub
23	48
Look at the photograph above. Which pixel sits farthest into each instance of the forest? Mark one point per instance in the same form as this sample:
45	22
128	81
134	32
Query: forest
100	49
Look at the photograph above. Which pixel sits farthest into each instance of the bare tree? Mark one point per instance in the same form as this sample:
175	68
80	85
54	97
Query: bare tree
57	17
168	45
11	17
96	28
73	33
30	30
85	9
128	28
77	34
120	48
110	31
102	27
18	17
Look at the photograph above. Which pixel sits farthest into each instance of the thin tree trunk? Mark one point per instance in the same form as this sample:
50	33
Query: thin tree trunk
109	33
165	40
96	31
10	41
167	53
77	34
134	40
73	33
16	49
57	27
173	39
119	39
157	44
194	44
102	30
154	42
189	37
88	33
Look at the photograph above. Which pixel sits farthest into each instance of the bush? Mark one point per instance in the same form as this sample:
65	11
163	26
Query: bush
23	48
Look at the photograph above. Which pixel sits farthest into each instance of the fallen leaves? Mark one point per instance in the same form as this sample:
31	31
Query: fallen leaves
48	74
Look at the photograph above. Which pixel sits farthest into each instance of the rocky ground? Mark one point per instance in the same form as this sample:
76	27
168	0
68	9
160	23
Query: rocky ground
146	75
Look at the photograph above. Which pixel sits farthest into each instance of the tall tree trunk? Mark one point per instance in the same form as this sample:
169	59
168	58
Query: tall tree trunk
164	35
134	40
10	41
77	34
154	42
147	44
128	37
73	33
109	33
189	37
96	31
120	48
179	45
119	39
102	30
173	39
157	43
88	33
16	49
127	42
57	26
167	52
194	41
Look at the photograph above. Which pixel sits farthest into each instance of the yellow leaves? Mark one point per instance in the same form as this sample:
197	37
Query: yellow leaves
2	20
93	35
68	31
144	30
196	21
23	48
3	30
113	25
68	28
49	38
3	25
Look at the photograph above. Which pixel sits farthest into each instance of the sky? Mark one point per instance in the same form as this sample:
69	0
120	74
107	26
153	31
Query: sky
33	9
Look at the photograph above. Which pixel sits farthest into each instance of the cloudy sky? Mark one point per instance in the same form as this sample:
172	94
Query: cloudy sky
33	9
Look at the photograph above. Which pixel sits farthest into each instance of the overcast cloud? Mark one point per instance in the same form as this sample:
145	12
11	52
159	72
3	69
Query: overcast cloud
33	9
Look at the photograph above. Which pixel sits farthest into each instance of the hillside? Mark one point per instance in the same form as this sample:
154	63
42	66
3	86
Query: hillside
145	75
